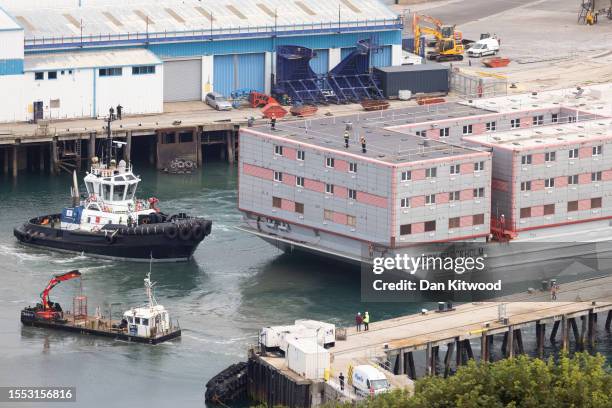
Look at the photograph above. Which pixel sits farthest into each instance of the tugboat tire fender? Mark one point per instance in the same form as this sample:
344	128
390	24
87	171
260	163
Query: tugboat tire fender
185	232
208	228
171	232
198	232
27	237
110	239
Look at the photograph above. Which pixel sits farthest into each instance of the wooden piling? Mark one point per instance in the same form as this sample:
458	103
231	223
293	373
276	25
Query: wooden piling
401	363
435	359
448	358
199	147
540	336
574	326
5	164
467	346
564	334
583	332
592	329
459	353
518	336
53	155
411	368
15	159
510	342
553	333
127	149
91	149
609	320
231	155
41	158
428	360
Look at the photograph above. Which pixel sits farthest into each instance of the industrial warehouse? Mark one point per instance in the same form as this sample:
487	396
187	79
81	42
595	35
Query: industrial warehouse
66	60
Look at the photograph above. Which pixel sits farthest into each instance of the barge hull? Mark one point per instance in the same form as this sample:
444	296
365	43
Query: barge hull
101	333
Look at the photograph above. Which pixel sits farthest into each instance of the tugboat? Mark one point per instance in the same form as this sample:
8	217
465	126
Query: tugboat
112	223
145	324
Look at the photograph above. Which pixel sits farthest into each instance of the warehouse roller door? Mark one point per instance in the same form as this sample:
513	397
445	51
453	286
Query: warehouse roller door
183	80
381	57
239	71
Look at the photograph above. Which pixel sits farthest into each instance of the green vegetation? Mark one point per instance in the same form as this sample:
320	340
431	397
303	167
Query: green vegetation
581	381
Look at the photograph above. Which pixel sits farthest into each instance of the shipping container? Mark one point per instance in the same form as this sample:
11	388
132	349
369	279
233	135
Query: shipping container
327	331
424	78
300	332
307	358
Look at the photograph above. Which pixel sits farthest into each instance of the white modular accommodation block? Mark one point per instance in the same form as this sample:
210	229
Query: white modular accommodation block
307	358
326	331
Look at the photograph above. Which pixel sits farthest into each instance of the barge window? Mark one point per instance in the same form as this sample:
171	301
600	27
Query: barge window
118	192
406	229
130	320
596	202
526	212
39	76
137	320
145	322
52	75
90	187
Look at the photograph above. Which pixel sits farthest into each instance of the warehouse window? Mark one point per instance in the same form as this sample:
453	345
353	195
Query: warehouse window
39	76
52	75
103	72
169	138
186	137
142	70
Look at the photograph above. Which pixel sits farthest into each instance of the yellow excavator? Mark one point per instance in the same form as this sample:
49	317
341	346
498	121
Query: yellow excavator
448	41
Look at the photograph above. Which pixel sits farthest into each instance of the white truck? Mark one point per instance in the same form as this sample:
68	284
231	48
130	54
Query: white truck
369	380
486	46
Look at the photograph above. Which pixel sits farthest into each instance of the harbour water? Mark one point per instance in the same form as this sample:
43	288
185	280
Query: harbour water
235	285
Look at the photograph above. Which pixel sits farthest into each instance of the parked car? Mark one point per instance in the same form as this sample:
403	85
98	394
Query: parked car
218	101
488	46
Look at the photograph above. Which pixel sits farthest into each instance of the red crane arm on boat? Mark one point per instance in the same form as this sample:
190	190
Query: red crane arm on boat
53	282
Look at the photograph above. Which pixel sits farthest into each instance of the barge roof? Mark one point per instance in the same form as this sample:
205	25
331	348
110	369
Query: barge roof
593	100
383	143
545	136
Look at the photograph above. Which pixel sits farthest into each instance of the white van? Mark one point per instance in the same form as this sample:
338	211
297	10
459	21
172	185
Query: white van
487	46
368	379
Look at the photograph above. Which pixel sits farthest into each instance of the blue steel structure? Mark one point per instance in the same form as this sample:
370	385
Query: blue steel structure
350	81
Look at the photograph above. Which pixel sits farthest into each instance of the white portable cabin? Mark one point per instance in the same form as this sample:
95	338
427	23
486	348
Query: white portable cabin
307	358
327	331
298	333
271	337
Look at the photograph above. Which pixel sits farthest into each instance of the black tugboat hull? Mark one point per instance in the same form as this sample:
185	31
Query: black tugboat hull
157	242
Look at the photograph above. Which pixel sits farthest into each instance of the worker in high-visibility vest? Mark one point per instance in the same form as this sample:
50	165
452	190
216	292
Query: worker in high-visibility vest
366	321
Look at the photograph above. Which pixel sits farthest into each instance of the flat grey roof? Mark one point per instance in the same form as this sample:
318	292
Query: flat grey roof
382	143
429	66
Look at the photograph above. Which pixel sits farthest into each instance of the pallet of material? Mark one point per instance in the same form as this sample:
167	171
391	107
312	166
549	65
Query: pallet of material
374	104
303	111
430	101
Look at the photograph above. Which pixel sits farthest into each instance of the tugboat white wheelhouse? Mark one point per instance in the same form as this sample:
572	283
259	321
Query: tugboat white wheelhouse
111	222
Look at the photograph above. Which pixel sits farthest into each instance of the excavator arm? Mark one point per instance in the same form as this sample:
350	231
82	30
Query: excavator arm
44	296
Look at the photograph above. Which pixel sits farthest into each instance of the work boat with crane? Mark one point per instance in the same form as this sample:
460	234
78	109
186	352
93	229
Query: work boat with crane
149	323
111	222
